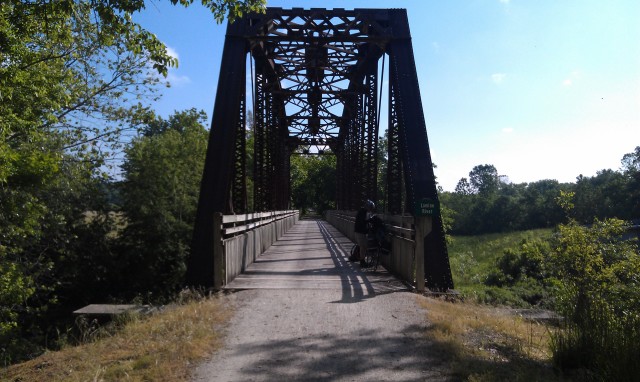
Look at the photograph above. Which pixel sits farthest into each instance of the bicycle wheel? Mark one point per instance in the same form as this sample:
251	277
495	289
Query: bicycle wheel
355	252
374	254
369	258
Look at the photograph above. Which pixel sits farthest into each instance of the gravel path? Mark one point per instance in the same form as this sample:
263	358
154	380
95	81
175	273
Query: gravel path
317	335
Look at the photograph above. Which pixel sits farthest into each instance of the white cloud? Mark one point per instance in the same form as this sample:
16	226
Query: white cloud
172	52
173	78
507	130
176	80
498	78
572	78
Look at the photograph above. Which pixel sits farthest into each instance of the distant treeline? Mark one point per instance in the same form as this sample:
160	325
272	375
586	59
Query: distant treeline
485	203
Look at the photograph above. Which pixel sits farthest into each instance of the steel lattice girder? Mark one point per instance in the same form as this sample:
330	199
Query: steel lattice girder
419	178
239	187
394	164
316	54
316	84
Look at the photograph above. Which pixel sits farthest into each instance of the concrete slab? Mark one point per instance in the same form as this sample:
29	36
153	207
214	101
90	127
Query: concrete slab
113	309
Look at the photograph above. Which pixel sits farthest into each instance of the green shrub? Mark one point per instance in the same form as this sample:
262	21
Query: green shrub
522	272
597	290
493	295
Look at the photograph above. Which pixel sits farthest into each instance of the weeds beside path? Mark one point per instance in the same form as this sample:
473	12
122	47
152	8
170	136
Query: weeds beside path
163	347
485	343
310	334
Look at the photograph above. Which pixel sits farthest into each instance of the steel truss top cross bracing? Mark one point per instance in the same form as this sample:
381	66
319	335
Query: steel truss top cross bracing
315	81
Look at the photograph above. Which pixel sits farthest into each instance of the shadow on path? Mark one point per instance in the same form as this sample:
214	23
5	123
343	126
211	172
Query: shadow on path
314	255
284	335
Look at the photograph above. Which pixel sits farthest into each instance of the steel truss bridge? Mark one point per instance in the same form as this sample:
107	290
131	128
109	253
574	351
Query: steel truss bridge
314	79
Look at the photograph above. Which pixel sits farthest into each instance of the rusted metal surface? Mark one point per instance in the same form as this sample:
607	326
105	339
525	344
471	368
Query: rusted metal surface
316	89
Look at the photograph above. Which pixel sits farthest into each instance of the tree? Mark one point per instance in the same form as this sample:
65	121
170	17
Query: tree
313	181
383	165
488	203
74	76
539	199
73	73
631	171
631	162
484	179
38	254
507	212
463	187
231	9
162	174
598	292
601	196
179	121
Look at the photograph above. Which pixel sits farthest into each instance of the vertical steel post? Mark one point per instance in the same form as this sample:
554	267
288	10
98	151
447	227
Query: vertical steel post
239	190
370	134
217	175
297	72
418	168
259	140
394	164
360	193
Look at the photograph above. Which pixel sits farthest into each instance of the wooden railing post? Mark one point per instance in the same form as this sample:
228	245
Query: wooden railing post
218	252
423	227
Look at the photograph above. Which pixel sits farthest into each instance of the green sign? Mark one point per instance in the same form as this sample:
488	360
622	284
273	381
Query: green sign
426	207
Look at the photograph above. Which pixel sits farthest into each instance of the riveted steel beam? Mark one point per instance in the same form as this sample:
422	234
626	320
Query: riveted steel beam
316	84
217	175
419	178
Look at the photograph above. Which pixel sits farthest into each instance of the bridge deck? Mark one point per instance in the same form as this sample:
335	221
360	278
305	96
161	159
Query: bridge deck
313	255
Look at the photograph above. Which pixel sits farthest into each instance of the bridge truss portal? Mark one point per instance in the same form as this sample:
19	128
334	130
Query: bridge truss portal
314	78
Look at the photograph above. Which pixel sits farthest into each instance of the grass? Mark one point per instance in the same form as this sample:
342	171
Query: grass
489	344
483	343
162	347
472	258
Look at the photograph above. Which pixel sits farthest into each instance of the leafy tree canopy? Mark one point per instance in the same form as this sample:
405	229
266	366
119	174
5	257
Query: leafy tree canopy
313	181
631	162
484	179
162	174
179	121
75	77
229	9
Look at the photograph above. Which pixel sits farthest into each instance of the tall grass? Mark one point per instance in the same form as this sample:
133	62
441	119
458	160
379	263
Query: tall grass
163	347
485	344
590	278
474	258
599	345
597	288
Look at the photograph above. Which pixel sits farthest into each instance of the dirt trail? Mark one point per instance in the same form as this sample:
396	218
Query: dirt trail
317	335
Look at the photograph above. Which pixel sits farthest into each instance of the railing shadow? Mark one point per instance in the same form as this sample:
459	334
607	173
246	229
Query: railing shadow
356	284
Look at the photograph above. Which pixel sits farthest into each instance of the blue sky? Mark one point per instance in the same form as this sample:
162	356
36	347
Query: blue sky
540	89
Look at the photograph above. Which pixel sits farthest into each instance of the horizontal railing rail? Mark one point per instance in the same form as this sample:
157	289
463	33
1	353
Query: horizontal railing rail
237	224
401	230
240	239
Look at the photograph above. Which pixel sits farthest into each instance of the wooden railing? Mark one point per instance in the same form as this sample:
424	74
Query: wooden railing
401	260
240	239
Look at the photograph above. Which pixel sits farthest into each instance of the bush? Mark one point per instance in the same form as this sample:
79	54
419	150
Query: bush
597	289
522	272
